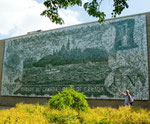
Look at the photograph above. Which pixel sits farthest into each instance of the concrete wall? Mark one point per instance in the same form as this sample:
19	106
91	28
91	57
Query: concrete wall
12	100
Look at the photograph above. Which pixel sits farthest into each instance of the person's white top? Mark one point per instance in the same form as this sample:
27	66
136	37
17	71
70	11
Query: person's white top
127	98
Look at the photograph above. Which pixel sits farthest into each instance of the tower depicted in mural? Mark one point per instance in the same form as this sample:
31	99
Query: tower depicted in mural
95	58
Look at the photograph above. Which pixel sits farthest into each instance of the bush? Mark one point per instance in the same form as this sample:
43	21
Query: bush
37	114
69	98
23	114
123	115
65	116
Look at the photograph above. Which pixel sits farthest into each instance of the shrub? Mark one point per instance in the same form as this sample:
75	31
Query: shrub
23	114
123	115
64	116
37	114
69	98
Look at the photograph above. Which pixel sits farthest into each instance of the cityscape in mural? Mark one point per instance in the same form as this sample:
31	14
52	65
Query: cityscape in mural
95	58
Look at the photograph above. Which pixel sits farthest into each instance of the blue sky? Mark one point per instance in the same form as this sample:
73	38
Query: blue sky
17	17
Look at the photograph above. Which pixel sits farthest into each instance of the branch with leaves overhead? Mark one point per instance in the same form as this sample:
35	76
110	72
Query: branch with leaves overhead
92	8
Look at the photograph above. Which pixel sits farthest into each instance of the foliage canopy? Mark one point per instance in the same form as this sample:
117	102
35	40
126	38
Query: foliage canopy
38	114
92	8
69	98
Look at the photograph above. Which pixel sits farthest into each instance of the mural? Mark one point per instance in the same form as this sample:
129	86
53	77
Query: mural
96	59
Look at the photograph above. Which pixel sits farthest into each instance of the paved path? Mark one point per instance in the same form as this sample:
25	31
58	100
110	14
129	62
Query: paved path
4	107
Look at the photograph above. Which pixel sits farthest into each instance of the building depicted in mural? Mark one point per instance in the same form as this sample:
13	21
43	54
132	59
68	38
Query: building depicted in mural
96	59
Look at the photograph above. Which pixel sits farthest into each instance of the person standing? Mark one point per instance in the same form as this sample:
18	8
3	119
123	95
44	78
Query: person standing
128	98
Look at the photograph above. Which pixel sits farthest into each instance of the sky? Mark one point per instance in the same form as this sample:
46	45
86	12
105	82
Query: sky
17	17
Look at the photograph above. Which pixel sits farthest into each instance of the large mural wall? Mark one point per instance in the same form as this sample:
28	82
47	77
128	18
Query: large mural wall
96	59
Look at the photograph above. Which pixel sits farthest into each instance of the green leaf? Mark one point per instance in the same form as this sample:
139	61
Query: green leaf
92	8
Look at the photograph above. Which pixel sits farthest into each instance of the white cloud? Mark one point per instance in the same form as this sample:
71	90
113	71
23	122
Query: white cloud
84	1
69	16
23	16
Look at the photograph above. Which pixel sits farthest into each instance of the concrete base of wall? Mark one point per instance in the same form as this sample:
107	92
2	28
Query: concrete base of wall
12	101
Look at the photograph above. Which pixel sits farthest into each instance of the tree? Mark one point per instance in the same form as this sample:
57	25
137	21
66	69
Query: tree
69	98
92	8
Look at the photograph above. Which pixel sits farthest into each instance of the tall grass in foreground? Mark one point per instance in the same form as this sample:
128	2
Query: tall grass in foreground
38	114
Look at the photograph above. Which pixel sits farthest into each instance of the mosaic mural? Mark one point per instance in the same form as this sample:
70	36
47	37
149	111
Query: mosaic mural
96	59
